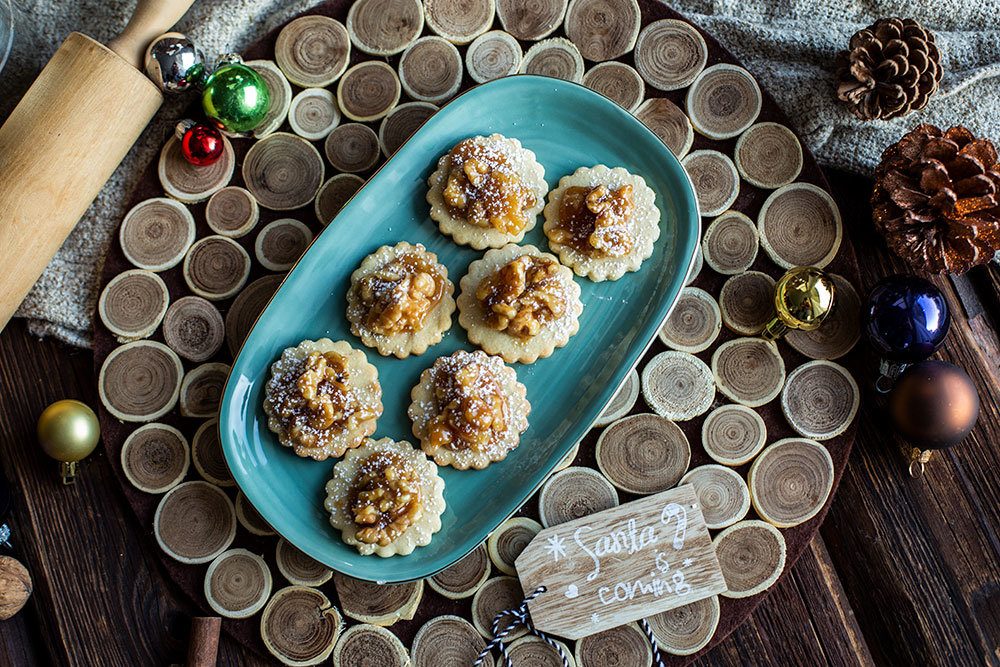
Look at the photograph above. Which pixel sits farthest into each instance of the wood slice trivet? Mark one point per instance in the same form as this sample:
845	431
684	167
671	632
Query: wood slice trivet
232	212
603	29
368	91
384	27
768	155
496	595
280	244
313	113
723	101
237	584
283	171
841	329
216	267
133	304
459	21
669	123
722	494
800	225
300	568
678	385
400	123
334	194
622	402
695	322
670	54
493	55
730	243
643	453
367	644
733	434
820	399
378	604
281	96
531	20
140	381
195	522
790	481
193	328
202	388
207	456
312	51
537	652
624	645
688	629
715	179
155	458
463	578
507	542
352	147
749	371
300	626
447	641
155	234
556	57
250	518
746	301
618	82
573	493
191	578
189	184
752	556
431	70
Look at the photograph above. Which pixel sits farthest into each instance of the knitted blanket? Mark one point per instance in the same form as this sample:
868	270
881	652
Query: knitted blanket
789	45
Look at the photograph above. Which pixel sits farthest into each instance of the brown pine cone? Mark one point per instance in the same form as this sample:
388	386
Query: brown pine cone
892	68
937	199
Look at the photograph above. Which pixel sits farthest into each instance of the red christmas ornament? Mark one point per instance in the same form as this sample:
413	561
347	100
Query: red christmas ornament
201	144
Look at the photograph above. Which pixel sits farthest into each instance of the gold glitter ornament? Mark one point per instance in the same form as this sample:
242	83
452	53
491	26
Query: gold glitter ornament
68	431
803	297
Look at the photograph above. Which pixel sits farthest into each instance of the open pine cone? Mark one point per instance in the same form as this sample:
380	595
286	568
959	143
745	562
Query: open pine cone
892	68
937	199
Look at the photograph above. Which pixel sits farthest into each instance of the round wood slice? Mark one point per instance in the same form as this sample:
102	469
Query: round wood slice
643	454
617	82
733	434
624	645
132	305
431	70
201	390
752	556
280	92
194	522
670	54
378	604
401	123
193	328
768	155
459	21
283	171
715	179
237	584
554	57
492	55
140	381
730	243
678	385
155	458
352	147
696	265
300	568
280	244
694	323
573	493
368	91
246	308
722	494
688	629
749	371
216	267
790	481
669	123
312	51
207	456
447	641
300	626
623	400
800	225
568	459
189	184
232	212
496	595
334	194
723	101
820	399
841	329
385	27
366	644
313	113
156	233
603	29
747	302
531	20
539	653
250	518
507	542
464	577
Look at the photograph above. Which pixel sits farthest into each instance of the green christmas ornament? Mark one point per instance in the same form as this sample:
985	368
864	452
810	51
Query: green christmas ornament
235	97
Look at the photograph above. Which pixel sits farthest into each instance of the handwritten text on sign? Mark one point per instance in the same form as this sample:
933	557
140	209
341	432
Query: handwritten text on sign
620	565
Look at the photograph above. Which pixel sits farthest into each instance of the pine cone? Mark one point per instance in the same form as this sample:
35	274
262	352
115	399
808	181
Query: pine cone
937	199
892	68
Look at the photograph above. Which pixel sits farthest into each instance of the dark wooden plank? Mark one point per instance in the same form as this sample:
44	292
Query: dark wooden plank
19	641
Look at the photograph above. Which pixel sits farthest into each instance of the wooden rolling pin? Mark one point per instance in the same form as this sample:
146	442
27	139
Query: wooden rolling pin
66	137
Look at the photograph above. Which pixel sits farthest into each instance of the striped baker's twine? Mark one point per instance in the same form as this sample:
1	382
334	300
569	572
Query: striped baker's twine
518	617
644	624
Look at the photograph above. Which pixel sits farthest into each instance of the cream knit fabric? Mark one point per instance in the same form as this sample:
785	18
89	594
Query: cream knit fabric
789	45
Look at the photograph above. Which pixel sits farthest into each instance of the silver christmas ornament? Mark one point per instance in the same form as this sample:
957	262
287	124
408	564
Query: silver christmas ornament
174	63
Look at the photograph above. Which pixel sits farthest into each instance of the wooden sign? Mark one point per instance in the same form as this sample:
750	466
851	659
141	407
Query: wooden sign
620	565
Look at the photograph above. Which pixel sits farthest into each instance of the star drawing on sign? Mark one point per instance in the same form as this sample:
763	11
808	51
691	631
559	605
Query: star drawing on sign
556	547
594	618
688	562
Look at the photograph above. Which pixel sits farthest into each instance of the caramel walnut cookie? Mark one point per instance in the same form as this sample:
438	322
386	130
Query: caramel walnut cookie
400	301
469	410
322	398
386	498
487	191
519	303
602	222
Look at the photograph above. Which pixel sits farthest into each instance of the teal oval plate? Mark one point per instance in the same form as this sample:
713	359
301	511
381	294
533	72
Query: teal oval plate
567	126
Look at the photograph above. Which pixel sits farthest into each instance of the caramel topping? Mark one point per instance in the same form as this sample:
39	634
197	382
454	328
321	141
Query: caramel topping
484	189
595	221
384	498
471	408
398	297
316	400
524	294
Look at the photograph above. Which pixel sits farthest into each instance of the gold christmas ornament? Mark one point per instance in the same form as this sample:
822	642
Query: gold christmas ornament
68	431
803	297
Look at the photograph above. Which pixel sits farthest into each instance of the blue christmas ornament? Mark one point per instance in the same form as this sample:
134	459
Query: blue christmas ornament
906	320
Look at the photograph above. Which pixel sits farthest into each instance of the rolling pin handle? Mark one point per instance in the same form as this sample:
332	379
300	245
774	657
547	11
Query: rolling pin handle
150	19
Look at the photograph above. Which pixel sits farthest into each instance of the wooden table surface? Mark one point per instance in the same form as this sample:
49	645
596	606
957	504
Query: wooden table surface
903	571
